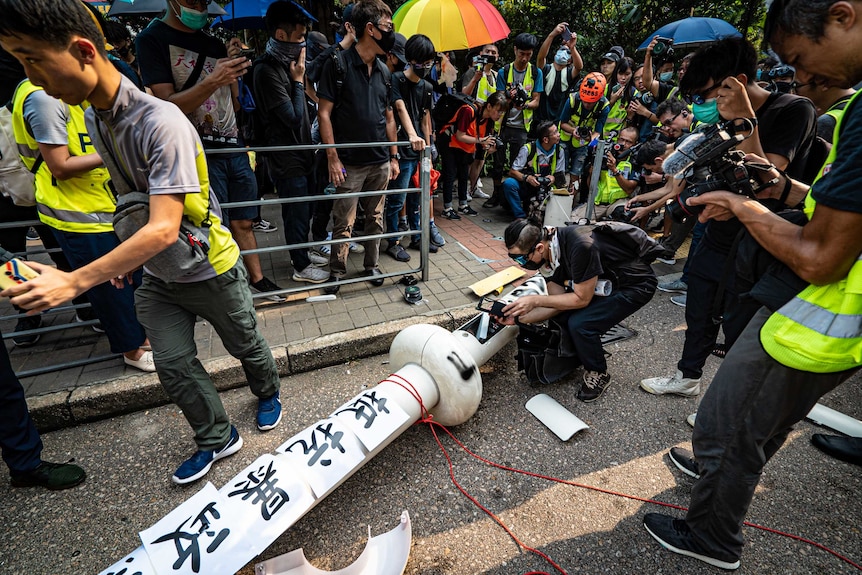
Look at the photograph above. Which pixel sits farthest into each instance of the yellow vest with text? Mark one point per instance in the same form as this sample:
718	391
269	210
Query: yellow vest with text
820	330
616	120
529	83
585	118
81	204
609	190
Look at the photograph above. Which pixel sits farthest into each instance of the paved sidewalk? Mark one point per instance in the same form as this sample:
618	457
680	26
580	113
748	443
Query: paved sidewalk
362	321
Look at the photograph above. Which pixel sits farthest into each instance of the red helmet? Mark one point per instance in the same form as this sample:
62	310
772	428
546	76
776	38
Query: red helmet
593	87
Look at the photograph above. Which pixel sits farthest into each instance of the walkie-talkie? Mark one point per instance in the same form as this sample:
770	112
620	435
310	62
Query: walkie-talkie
14	271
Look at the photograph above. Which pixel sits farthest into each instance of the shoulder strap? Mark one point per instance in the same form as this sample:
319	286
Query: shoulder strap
196	73
123	185
10	105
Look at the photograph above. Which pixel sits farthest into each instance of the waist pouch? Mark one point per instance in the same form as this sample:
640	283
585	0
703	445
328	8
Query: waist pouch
184	257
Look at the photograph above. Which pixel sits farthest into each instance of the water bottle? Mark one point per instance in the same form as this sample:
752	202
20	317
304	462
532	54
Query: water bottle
603	288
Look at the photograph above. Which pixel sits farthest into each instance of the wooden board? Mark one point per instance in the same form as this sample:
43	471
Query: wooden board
496	282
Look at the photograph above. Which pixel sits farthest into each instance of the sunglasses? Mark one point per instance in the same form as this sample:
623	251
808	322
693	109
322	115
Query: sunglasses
522	259
699	98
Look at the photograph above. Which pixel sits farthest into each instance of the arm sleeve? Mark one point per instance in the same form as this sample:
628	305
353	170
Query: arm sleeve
539	85
521	160
501	79
789	129
327	88
46	118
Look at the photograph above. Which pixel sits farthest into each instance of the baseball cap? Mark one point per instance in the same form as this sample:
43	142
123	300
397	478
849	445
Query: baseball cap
612	56
398	48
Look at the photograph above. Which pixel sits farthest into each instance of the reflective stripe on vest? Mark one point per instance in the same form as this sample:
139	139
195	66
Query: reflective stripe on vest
528	87
590	121
616	118
820	330
77	204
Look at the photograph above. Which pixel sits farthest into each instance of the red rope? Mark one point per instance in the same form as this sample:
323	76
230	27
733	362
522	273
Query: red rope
427	418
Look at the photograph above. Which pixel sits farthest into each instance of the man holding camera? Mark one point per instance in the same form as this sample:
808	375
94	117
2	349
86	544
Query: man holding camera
561	73
582	120
539	166
784	360
523	82
480	80
617	181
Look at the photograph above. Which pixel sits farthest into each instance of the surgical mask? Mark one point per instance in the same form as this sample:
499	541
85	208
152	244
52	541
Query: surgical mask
387	40
707	112
193	19
562	57
665	76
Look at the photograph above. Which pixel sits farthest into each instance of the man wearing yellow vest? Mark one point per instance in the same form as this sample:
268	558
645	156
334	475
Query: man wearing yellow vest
524	83
784	361
73	199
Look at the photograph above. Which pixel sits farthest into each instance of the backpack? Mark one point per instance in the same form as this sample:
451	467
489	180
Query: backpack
621	243
251	127
16	181
447	106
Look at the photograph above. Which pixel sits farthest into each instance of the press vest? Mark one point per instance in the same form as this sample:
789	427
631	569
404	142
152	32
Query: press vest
528	86
586	118
485	87
609	190
616	119
81	204
532	166
820	330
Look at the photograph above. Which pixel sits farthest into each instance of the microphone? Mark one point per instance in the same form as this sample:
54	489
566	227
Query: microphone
684	156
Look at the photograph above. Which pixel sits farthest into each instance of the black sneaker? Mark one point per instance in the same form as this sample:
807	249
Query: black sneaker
492	203
450	214
684	461
54	476
398	252
467	210
333	289
375	273
266	285
595	384
418	246
674	535
27	323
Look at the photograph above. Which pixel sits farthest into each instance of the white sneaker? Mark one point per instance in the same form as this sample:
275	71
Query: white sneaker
356	248
676	384
144	363
311	275
691	418
478	193
317	259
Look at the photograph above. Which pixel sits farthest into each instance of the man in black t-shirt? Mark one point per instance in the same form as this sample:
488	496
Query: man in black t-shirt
354	93
182	64
577	262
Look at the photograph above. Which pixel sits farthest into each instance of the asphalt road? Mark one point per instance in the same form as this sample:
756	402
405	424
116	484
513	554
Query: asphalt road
130	459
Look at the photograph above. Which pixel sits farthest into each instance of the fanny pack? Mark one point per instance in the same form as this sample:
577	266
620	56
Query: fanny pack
182	258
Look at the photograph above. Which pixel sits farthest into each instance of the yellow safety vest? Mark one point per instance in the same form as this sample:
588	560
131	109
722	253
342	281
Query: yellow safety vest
586	118
528	86
616	120
533	159
81	204
820	330
609	190
485	88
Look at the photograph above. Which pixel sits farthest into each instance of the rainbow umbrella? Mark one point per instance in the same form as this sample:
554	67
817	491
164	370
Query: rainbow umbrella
452	24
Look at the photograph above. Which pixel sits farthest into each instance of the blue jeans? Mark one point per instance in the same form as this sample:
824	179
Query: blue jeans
394	202
516	192
19	440
114	307
296	217
232	180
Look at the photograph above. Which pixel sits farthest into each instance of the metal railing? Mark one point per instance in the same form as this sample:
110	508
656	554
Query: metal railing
423	167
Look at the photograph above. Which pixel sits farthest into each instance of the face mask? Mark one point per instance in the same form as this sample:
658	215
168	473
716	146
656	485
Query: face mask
782	87
562	57
706	112
420	70
532	266
192	18
123	52
665	76
284	52
387	40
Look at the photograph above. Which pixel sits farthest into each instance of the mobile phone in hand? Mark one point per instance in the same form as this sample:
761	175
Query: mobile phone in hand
13	271
567	34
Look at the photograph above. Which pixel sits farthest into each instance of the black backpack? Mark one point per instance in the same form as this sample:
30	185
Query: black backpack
444	111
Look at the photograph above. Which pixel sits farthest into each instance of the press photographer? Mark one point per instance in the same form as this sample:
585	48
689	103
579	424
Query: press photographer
538	168
561	73
582	120
617	181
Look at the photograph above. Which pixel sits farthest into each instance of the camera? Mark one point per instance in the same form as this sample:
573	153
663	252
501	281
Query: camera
546	184
518	95
663	48
483	59
583	133
709	163
623	214
498	142
646	98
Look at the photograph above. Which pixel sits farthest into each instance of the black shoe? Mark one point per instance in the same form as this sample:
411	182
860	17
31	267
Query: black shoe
27	323
450	214
674	535
595	384
54	476
265	285
418	246
377	281
467	211
333	289
684	461
847	449
492	203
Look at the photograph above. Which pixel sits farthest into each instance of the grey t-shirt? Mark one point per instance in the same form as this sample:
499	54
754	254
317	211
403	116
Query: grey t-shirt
46	118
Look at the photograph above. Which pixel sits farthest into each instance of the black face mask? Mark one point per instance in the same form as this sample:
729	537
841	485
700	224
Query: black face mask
533	266
387	39
420	71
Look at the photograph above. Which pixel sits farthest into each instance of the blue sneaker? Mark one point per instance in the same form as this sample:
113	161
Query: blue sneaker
268	412
199	464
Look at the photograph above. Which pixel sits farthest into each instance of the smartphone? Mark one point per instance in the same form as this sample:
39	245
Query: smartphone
14	271
248	54
567	34
492	307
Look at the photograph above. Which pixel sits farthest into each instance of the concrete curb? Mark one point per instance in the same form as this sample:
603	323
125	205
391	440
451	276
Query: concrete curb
106	399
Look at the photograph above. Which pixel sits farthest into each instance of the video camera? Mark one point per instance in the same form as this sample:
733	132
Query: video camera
518	95
708	162
483	59
663	49
623	214
583	133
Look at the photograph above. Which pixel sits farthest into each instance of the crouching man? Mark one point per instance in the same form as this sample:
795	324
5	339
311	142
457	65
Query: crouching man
577	260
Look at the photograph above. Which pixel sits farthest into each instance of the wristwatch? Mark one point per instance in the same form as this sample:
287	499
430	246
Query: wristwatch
395	156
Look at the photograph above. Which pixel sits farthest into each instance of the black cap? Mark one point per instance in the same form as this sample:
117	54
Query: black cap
398	48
